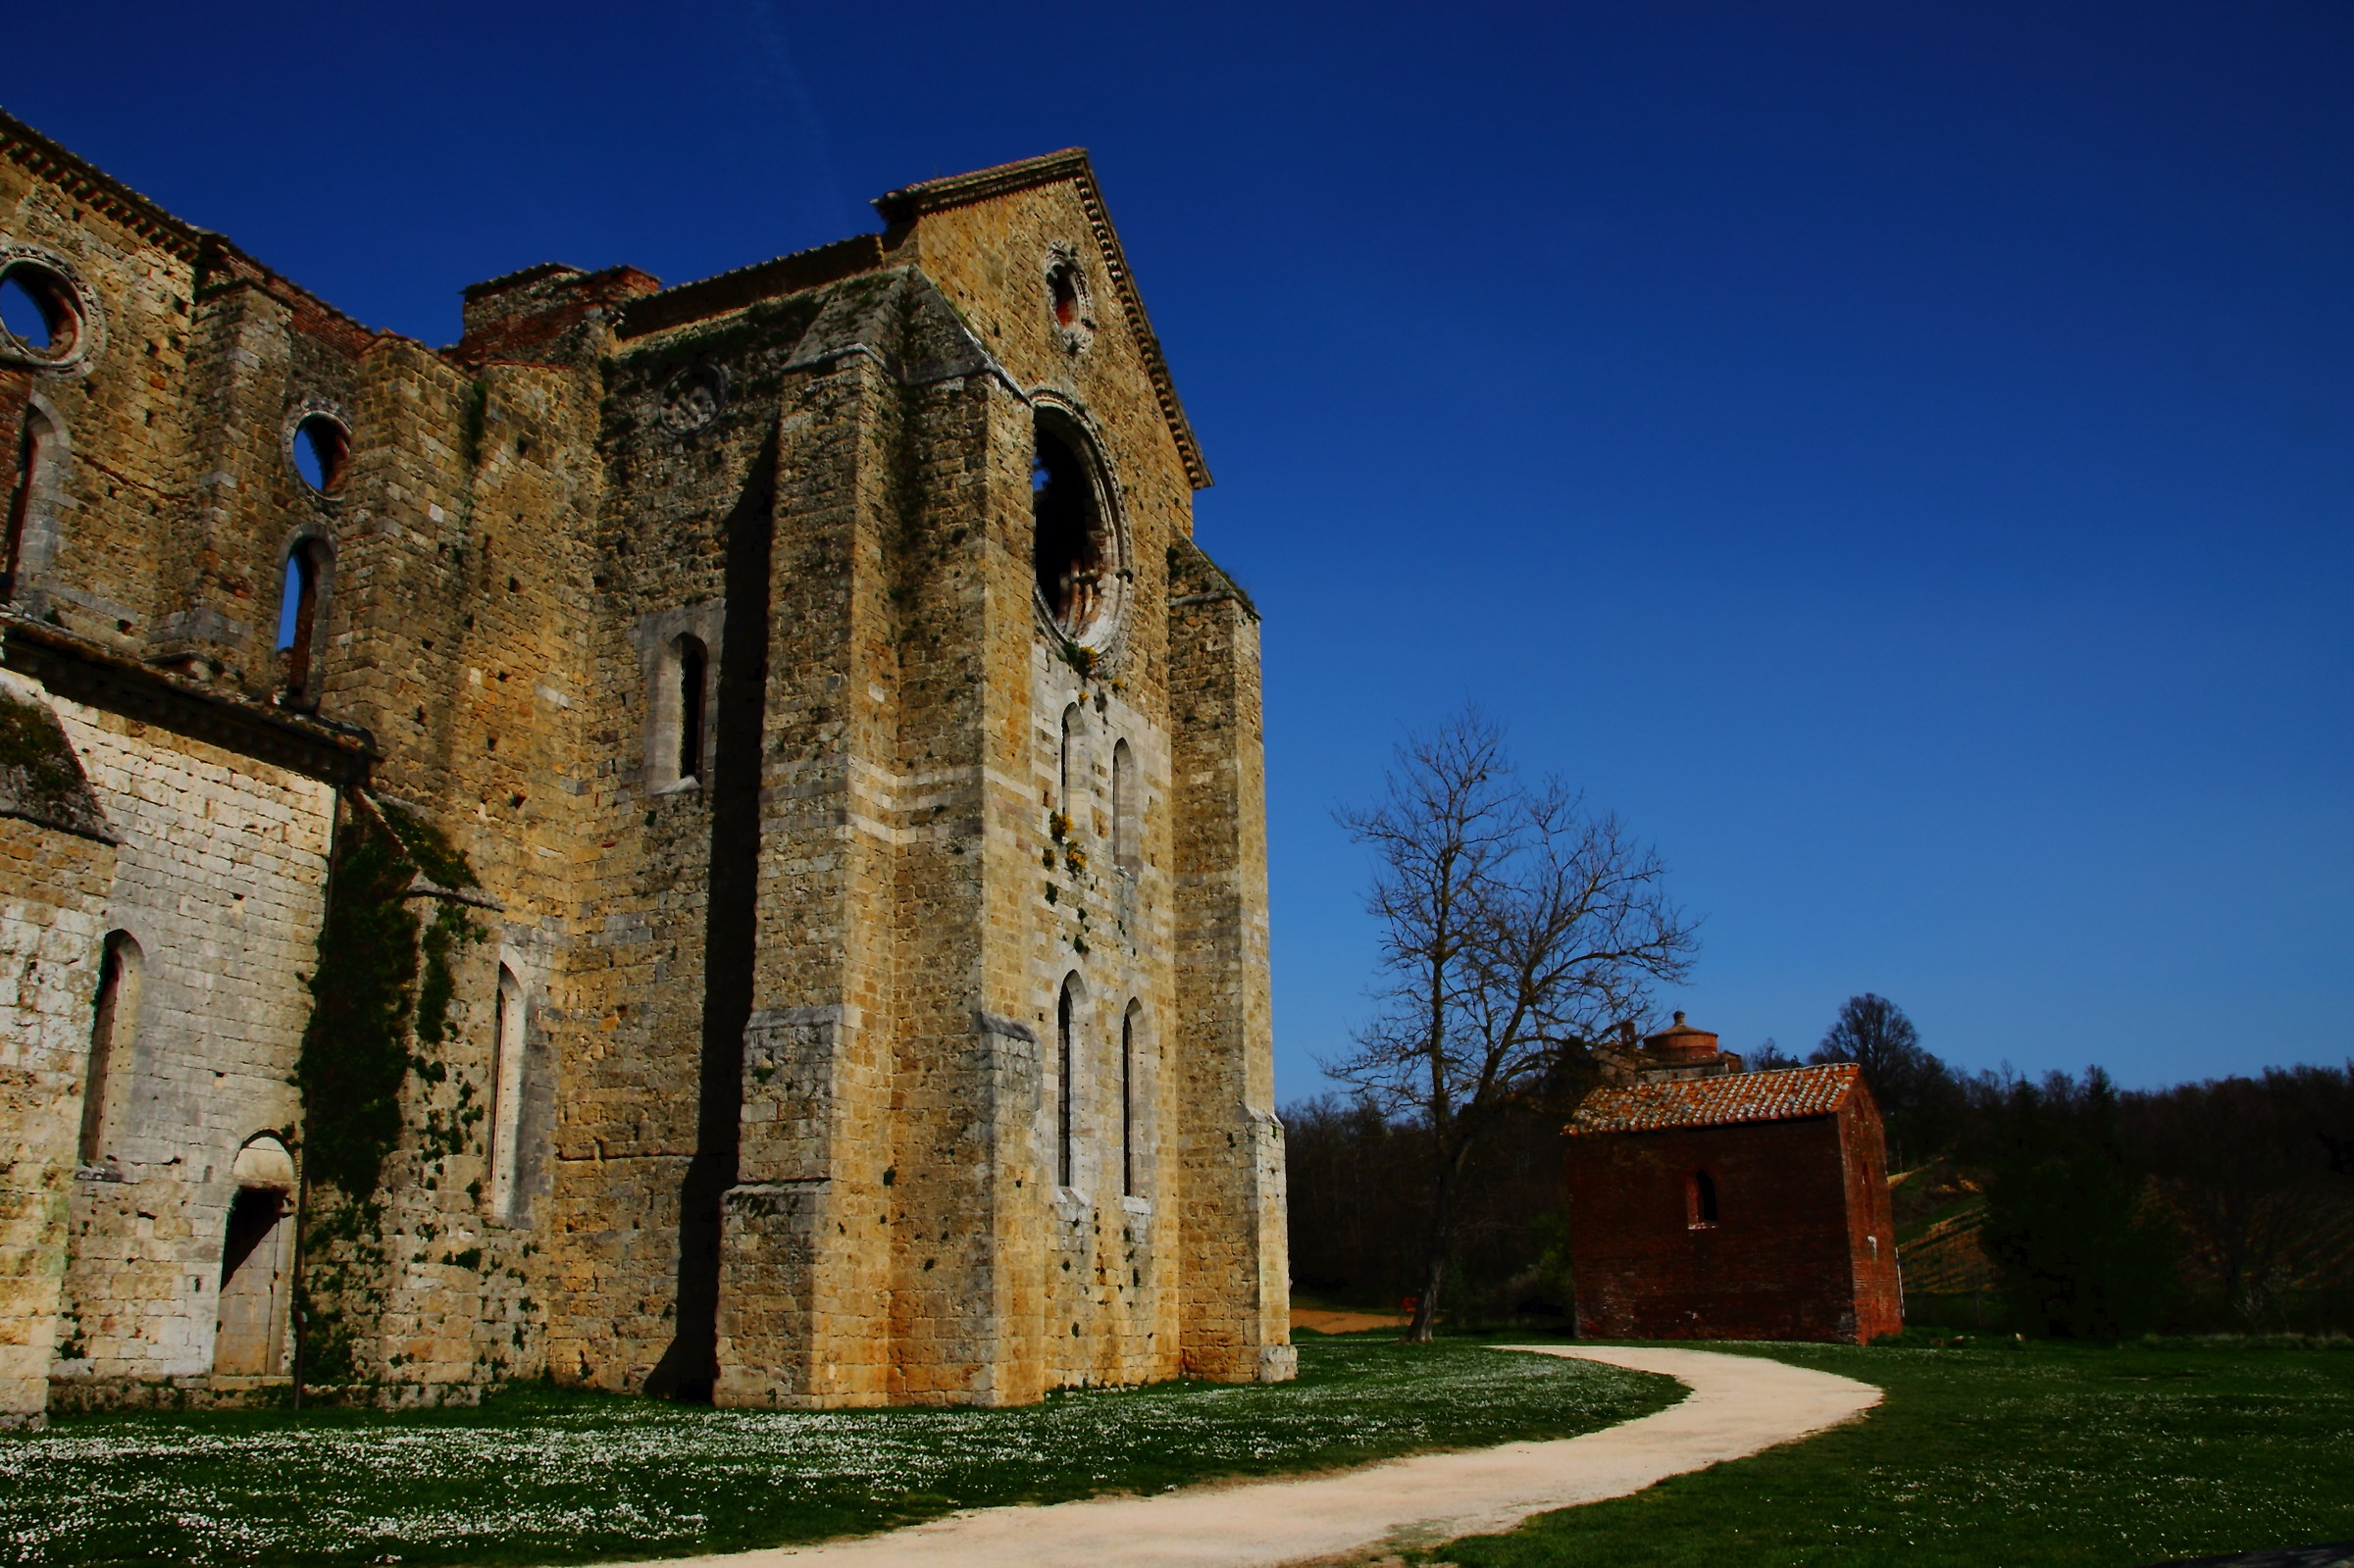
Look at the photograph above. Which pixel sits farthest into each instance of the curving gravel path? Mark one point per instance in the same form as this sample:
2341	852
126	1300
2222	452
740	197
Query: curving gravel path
1738	1405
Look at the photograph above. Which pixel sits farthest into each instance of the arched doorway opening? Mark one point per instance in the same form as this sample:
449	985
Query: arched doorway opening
249	1338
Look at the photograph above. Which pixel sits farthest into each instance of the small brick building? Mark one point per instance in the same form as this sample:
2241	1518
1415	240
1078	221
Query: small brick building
1724	1204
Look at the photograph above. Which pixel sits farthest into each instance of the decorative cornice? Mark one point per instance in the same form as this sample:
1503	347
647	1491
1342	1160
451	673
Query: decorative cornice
911	202
85	671
902	209
220	263
85	183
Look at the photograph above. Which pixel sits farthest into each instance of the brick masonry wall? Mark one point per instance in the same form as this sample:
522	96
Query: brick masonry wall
1870	1218
1784	1261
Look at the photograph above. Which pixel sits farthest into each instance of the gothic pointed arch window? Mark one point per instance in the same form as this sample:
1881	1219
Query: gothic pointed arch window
1078	543
1070	764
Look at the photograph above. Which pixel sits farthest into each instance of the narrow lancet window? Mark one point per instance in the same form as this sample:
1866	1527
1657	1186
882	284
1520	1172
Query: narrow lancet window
1066	785
693	661
1062	1091
298	613
1128	1103
506	1108
111	1024
1125	852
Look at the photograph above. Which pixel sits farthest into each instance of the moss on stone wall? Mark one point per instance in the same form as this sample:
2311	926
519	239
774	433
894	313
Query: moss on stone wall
442	937
355	1051
423	843
366	996
40	779
380	994
32	743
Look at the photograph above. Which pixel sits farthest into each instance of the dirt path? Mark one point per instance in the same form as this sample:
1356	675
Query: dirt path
1326	1320
1738	1405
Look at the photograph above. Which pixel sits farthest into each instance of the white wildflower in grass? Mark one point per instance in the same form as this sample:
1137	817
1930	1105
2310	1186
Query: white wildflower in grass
541	1475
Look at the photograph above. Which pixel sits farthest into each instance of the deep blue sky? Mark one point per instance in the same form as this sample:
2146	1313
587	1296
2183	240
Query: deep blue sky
1901	456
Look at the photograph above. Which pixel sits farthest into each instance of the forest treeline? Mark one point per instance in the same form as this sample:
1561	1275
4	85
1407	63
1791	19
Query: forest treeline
2059	1205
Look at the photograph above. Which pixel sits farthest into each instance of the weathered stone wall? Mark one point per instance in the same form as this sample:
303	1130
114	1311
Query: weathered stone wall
218	880
53	883
123	476
784	1123
1236	1310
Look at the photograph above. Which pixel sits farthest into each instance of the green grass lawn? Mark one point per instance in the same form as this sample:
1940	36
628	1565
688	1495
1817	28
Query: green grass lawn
2003	1457
544	1475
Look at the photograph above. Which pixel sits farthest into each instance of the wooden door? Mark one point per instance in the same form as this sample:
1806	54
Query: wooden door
245	1342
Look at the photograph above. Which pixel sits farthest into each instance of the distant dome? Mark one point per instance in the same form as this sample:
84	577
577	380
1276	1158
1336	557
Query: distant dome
1680	1041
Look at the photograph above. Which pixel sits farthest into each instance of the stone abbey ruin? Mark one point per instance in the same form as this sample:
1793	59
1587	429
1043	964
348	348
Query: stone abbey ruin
703	840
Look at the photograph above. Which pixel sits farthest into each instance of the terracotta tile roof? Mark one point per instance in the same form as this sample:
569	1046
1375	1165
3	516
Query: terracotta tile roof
1715	1101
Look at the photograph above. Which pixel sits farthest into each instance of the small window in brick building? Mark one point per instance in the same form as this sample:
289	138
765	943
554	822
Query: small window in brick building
37	309
1700	1200
322	452
694	664
1067	765
35	444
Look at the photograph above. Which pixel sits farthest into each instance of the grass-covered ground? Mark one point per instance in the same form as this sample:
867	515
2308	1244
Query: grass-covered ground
1995	1455
543	1475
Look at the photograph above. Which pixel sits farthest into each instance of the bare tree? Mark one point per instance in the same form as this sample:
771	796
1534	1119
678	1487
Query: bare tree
1517	927
1915	1090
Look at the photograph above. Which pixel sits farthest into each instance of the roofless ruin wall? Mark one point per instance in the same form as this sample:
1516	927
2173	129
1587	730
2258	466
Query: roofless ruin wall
791	936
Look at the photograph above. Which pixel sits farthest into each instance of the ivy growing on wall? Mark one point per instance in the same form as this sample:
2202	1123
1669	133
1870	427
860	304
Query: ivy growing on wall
425	847
366	996
355	1051
382	982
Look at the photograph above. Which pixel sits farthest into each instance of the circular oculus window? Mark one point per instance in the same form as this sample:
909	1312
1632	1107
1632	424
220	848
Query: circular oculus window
318	445
45	316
